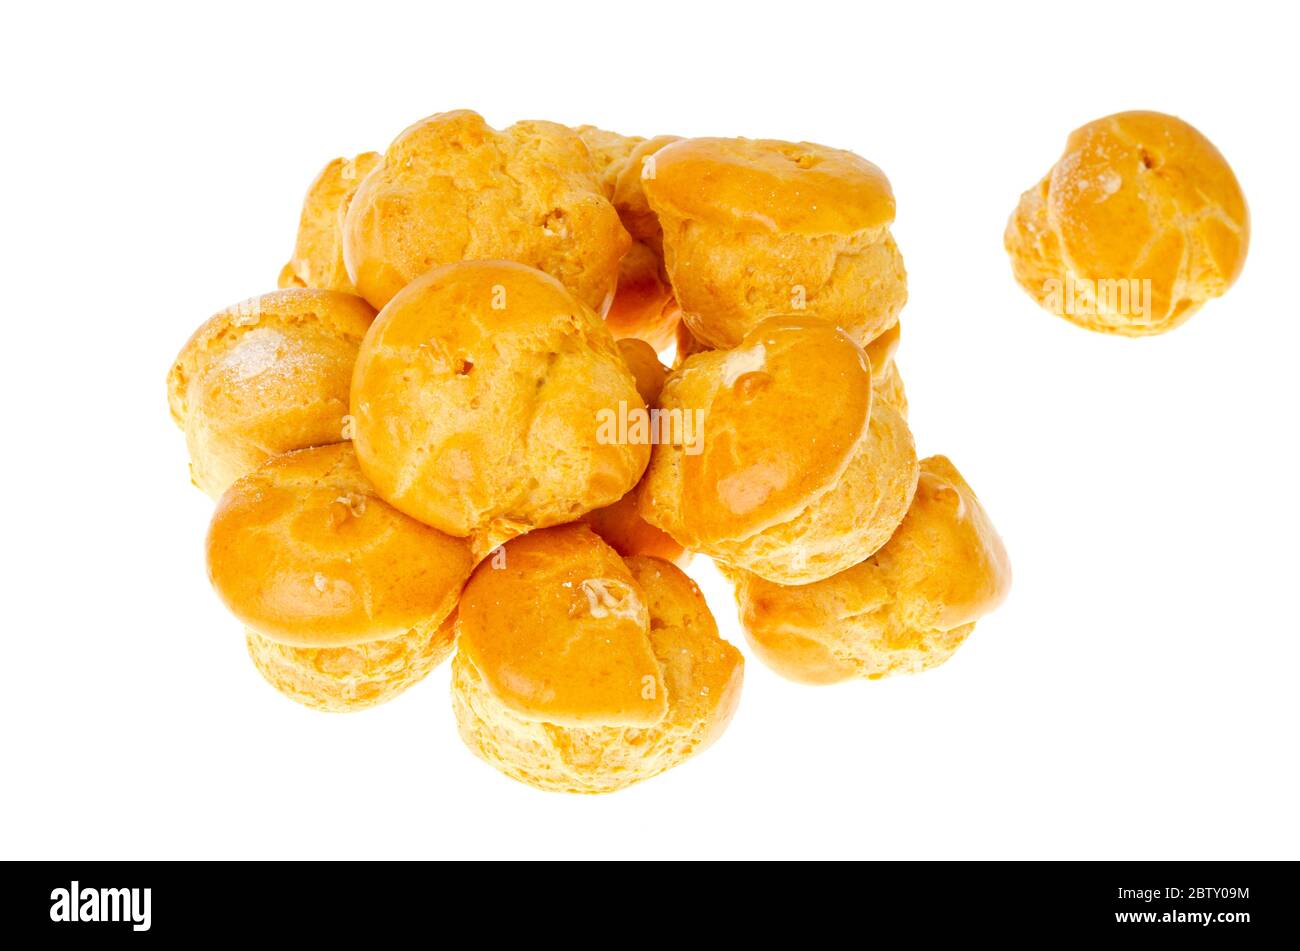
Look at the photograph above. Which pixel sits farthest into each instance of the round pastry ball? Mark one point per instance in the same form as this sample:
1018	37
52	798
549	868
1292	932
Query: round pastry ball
266	376
579	671
451	188
308	556
1137	225
773	457
343	679
758	228
480	400
318	253
905	609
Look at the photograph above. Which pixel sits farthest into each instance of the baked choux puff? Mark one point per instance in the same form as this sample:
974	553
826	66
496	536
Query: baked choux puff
266	376
579	671
486	399
758	228
905	609
773	457
347	602
451	188
318	253
1138	224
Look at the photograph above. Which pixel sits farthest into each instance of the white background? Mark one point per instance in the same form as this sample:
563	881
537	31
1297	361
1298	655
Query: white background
1135	697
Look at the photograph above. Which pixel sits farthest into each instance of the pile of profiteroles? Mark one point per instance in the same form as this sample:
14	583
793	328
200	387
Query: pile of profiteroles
450	433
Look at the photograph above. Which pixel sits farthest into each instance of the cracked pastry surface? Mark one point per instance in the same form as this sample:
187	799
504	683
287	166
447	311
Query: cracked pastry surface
754	228
344	597
1136	197
318	251
478	397
798	473
354	677
265	376
579	671
905	609
451	188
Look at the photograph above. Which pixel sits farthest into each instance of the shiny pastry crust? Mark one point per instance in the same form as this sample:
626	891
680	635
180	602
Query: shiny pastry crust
757	228
699	676
905	609
1137	196
306	553
799	474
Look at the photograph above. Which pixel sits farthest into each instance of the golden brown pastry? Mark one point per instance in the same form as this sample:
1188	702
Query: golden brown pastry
1137	225
264	377
451	188
886	383
478	399
905	609
344	597
318	253
578	671
790	471
758	228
